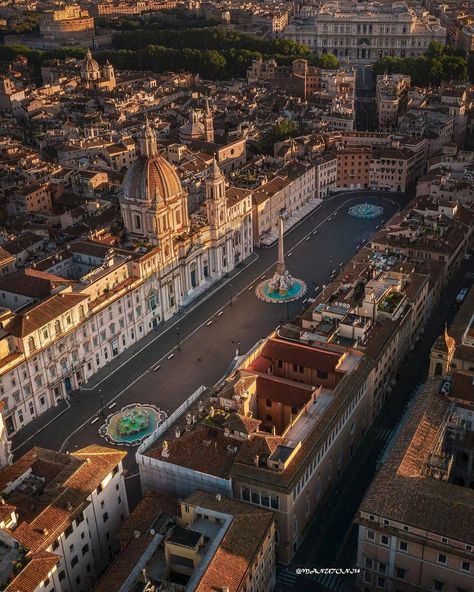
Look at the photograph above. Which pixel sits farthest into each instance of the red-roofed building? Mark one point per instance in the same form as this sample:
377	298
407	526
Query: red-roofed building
62	513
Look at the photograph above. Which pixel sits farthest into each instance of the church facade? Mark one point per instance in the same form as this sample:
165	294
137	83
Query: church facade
192	252
96	78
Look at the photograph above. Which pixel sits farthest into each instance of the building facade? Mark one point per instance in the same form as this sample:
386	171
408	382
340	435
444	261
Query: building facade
62	514
80	308
362	33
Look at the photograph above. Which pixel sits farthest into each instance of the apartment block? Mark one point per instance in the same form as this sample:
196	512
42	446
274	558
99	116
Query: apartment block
390	91
59	514
415	523
202	543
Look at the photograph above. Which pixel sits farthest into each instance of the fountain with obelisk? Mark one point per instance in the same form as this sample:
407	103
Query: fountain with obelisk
282	287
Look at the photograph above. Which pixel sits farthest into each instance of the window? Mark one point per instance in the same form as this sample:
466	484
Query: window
99	489
268	403
62	575
442	558
382	567
368	562
78	580
384	539
68	531
74	561
105	516
403	546
371	535
85	549
466	566
380	582
438	586
400	573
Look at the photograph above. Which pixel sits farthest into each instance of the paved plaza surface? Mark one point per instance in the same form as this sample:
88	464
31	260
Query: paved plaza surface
211	330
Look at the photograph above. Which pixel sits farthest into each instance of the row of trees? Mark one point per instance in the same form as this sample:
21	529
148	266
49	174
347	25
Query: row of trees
217	59
441	62
213	38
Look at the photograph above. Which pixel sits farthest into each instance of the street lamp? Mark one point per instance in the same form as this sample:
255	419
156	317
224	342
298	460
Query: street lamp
178	339
101	404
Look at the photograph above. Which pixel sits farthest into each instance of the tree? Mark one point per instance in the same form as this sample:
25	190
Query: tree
328	61
470	66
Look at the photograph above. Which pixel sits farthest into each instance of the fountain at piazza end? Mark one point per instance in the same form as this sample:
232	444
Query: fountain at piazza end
132	424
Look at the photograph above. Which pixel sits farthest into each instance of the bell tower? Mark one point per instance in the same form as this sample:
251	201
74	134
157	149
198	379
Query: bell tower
208	123
215	199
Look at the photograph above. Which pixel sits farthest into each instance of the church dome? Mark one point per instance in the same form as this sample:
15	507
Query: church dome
89	65
151	179
192	129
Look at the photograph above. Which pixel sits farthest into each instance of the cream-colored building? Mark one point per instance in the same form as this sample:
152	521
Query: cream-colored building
96	78
283	195
360	33
78	309
390	89
58	525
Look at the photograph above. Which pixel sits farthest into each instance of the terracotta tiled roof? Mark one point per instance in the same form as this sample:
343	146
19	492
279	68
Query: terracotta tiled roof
402	493
69	480
35	572
242	541
33	283
462	388
241	423
201	451
145	513
39	315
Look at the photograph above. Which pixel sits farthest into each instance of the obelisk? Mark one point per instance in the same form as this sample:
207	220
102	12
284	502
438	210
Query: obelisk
280	266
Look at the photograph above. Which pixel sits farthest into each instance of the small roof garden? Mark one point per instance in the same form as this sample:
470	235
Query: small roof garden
390	302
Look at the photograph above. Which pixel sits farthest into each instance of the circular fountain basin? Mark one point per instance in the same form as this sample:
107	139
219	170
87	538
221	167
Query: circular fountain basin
132	424
366	211
264	292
